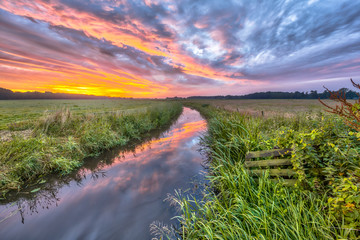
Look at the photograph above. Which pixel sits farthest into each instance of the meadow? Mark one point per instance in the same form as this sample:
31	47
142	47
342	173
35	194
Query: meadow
39	137
236	205
267	107
15	111
55	136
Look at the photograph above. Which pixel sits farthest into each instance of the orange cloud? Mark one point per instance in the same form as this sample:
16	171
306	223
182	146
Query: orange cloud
90	77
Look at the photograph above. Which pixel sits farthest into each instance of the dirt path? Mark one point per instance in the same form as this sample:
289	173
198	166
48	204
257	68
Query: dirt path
6	135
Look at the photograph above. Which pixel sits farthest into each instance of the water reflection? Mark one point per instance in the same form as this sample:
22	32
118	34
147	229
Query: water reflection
114	197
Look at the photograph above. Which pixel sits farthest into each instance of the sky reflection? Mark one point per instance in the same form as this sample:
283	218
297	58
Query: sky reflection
121	203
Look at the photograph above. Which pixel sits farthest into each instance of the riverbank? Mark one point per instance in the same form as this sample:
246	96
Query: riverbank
61	140
237	206
116	195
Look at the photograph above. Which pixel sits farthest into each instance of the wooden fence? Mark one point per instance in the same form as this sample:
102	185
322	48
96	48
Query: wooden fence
282	159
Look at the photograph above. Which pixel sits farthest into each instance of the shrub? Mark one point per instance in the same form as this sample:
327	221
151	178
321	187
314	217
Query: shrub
350	112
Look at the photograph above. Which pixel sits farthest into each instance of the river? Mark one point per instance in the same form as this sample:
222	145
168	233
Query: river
114	196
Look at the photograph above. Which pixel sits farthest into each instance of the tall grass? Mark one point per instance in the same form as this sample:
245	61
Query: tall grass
237	206
249	209
61	140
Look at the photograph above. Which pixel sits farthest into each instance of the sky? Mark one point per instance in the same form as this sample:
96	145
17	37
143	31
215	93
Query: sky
156	49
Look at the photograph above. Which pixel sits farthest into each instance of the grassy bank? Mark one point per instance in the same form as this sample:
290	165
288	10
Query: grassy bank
237	206
60	140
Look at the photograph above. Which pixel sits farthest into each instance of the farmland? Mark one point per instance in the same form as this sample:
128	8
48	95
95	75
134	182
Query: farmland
54	136
239	206
15	111
46	136
268	107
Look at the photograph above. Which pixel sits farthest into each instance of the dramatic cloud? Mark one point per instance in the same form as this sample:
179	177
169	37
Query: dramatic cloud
165	48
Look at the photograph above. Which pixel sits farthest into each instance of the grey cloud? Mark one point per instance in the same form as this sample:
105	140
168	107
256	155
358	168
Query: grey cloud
32	33
265	40
279	28
125	14
188	79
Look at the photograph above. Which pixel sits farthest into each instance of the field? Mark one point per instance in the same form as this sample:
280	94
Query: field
14	111
238	206
42	137
46	136
268	107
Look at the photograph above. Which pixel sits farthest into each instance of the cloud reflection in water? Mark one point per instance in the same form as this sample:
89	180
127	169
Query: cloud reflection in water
122	201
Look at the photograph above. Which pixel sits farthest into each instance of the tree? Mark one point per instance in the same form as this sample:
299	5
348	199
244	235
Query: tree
349	111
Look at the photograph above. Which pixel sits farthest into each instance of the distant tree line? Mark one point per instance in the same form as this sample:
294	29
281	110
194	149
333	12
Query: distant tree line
6	94
284	95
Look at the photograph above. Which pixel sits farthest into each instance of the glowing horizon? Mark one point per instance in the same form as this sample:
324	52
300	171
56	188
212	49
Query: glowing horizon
157	49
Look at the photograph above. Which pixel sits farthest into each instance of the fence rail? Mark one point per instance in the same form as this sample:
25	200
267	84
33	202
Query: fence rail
272	165
279	158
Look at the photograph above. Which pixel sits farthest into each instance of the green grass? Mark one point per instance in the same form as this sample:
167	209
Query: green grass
237	206
61	139
15	111
267	107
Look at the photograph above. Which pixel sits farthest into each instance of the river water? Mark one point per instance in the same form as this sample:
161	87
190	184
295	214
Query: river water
115	196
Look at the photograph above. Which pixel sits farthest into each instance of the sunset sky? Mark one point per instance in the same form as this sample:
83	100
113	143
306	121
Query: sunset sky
178	48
